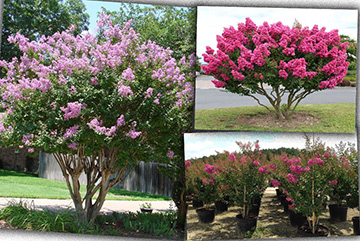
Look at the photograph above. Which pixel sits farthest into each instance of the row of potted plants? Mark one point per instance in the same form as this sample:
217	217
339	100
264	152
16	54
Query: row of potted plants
319	175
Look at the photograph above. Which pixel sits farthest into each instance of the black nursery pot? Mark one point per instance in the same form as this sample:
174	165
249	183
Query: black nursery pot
356	225
146	210
245	224
197	203
221	206
297	219
305	231
206	215
338	213
278	193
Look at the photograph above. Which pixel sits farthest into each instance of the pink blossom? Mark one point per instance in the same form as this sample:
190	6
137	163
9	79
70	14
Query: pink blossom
219	84
209	169
128	74
326	155
256	163
297	169
187	164
120	121
73	145
93	81
275	183
157	101
170	154
72	110
232	157
292	178
125	91
334	182
133	134
149	92
262	170
71	131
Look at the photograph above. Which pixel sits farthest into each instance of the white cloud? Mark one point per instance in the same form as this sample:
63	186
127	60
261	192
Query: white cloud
206	144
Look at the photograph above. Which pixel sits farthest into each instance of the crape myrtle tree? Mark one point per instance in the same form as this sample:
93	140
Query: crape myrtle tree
174	28
293	62
99	104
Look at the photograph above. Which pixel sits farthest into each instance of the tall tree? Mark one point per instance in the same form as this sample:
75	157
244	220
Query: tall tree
168	26
174	28
34	18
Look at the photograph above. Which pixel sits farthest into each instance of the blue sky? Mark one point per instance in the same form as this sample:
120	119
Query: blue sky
205	144
212	20
93	7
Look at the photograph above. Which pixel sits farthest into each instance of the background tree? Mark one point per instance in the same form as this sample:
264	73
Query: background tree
174	28
99	104
168	26
34	18
293	62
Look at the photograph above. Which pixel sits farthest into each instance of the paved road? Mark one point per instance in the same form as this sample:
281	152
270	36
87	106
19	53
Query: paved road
208	97
109	205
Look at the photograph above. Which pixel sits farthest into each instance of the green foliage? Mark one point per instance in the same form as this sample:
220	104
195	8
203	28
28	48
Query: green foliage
155	223
34	18
168	26
22	216
350	78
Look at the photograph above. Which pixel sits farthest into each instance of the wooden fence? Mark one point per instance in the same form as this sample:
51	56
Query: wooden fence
145	178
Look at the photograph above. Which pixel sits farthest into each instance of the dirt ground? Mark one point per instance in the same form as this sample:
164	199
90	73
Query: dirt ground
269	120
273	222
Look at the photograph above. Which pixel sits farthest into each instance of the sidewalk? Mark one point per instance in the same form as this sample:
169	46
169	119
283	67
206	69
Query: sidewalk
108	207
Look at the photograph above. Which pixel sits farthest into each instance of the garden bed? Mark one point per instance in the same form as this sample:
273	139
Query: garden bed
273	222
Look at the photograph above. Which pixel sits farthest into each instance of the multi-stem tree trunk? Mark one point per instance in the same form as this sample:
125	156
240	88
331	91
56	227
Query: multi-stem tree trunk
275	97
102	173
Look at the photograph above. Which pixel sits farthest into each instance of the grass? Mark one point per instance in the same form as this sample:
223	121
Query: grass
22	185
333	118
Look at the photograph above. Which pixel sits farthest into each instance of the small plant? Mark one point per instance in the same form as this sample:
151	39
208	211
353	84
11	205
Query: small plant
146	205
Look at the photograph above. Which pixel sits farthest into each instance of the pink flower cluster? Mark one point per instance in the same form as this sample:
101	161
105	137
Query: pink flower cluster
209	169
72	110
96	125
315	161
276	40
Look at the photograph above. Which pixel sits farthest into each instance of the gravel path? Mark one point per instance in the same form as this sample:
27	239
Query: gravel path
273	222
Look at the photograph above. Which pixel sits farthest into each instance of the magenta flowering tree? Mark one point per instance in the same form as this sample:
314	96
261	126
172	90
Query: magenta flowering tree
293	62
307	183
99	103
245	175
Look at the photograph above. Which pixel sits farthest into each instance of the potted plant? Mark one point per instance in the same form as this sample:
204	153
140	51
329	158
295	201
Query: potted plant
308	185
343	168
245	176
206	191
146	207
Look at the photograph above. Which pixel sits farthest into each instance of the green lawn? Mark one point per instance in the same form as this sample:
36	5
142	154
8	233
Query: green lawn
22	185
332	118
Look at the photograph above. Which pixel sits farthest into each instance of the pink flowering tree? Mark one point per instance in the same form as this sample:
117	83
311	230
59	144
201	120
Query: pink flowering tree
307	183
245	175
293	62
99	103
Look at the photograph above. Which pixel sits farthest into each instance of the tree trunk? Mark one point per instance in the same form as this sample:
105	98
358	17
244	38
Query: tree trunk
98	170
